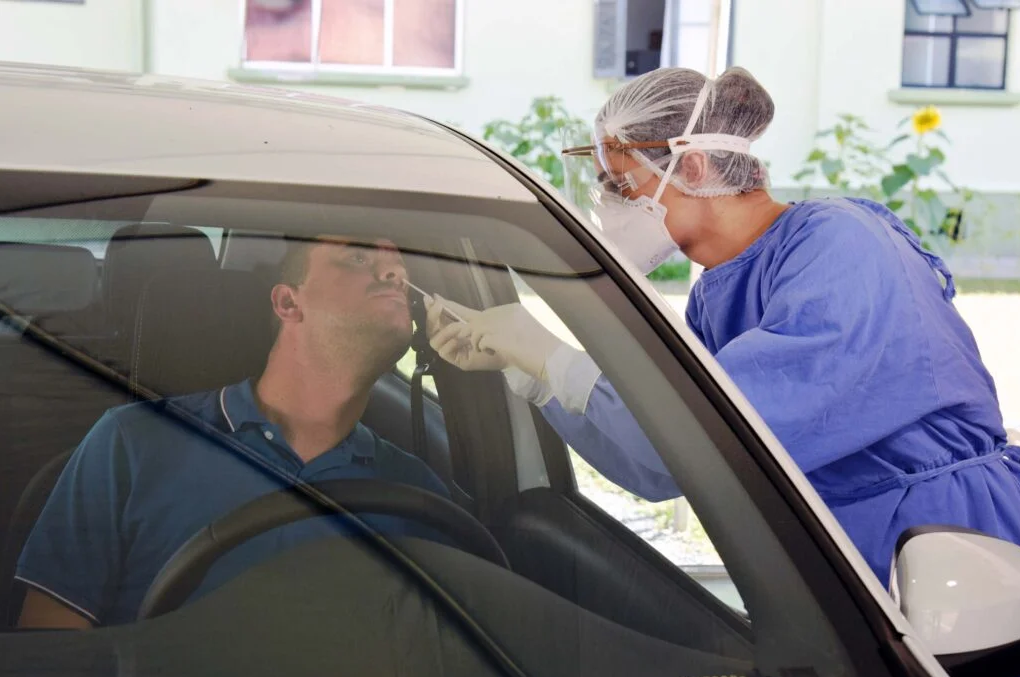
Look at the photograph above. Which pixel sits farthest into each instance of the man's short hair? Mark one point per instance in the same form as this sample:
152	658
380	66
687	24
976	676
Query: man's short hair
294	264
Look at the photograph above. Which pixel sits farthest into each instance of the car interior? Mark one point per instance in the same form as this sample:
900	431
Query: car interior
120	297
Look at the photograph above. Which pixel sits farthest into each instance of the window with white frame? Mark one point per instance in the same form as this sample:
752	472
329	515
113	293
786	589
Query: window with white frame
959	44
414	37
633	37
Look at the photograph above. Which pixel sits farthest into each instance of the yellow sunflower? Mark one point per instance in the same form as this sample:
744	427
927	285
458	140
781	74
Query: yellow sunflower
928	119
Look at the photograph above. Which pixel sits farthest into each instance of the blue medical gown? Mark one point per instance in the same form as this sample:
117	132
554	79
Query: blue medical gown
836	326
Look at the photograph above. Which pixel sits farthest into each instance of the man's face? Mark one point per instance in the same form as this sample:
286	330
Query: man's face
353	296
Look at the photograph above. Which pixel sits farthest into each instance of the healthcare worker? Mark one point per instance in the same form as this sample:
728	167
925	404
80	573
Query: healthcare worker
828	314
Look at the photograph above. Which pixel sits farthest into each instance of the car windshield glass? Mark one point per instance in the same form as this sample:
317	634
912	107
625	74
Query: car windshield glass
223	417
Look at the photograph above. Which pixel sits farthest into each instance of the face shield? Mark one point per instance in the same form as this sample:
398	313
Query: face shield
598	173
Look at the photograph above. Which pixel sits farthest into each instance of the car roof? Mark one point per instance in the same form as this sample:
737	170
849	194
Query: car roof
74	120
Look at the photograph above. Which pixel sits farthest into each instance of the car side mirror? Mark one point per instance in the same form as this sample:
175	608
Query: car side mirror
960	589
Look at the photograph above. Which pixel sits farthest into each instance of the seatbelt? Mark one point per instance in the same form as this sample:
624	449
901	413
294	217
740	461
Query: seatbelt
423	364
425	359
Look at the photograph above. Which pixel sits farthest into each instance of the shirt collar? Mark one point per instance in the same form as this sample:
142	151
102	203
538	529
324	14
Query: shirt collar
237	404
240	410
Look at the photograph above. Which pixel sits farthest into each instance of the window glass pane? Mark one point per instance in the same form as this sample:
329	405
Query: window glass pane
622	579
424	33
351	32
996	4
925	61
984	21
940	7
927	23
980	62
669	526
278	30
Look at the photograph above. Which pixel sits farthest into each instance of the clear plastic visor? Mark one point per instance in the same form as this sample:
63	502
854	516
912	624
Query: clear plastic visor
605	171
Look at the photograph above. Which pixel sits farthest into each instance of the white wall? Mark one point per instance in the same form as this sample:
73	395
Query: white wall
778	42
513	52
102	34
826	57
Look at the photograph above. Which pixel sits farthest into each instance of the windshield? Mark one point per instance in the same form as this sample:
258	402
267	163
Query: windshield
223	418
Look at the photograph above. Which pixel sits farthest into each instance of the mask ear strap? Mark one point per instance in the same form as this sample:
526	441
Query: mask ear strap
665	177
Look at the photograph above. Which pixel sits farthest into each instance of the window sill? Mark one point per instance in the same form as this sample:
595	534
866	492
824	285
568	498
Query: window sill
954	97
451	82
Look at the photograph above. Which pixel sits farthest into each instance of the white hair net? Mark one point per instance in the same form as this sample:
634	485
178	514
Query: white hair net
658	106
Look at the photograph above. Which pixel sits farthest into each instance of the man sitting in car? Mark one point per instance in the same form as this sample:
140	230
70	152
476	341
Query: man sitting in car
142	482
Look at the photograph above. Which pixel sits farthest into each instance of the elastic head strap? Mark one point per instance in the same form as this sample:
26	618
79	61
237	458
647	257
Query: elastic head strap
699	106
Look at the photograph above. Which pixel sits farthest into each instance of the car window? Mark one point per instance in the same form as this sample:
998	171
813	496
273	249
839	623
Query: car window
668	525
167	478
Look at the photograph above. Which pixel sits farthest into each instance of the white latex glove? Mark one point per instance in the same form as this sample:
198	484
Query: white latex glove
499	337
452	339
536	364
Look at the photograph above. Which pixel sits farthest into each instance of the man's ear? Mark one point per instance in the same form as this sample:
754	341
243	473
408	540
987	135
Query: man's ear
285	303
693	169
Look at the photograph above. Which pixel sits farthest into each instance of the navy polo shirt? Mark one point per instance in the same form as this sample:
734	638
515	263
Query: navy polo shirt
142	482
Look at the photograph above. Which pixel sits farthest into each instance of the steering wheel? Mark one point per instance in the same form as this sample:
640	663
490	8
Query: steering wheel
187	567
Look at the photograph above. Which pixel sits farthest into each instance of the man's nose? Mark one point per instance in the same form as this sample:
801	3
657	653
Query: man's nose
389	269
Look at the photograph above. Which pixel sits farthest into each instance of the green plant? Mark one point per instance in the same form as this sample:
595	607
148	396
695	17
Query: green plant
845	157
537	139
910	186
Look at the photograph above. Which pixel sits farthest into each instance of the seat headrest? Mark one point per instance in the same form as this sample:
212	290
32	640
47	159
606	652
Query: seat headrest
36	279
140	251
201	332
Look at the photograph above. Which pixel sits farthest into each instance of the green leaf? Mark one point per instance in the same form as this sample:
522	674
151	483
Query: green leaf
936	157
522	148
816	155
832	167
804	173
901	176
934	209
546	163
945	177
897	141
894	205
904	121
941	134
912	225
921	166
825	132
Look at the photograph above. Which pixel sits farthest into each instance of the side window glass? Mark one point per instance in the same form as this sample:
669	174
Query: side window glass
668	526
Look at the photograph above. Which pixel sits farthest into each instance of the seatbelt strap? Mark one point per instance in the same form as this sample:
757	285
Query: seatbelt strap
423	363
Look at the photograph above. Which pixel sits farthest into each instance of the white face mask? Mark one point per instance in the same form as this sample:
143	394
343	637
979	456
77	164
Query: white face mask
638	229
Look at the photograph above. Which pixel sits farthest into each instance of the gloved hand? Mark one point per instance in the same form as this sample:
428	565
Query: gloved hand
495	338
451	339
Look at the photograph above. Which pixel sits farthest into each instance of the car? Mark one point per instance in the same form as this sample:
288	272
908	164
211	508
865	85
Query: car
141	220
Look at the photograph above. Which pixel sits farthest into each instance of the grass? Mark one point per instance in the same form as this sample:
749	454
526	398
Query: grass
976	285
671	271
